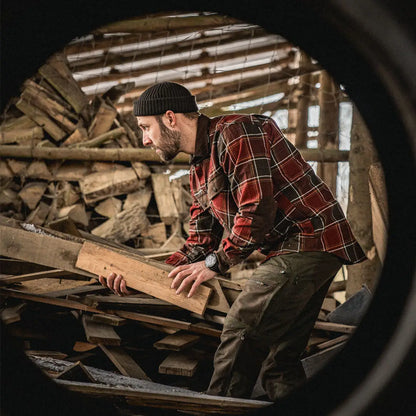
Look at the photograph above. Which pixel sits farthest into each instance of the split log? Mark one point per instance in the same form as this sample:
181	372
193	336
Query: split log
32	193
9	198
101	185
125	225
103	120
80	135
57	73
18	167
76	213
38	169
110	207
39	214
42	119
154	236
139	199
29	136
141	169
164	198
72	171
11	314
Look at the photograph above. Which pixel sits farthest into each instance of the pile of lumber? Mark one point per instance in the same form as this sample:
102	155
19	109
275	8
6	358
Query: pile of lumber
123	202
101	344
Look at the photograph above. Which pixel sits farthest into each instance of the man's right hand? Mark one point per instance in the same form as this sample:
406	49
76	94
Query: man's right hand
116	283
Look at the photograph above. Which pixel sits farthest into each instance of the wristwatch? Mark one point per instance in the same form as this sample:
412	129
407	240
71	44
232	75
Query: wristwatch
211	261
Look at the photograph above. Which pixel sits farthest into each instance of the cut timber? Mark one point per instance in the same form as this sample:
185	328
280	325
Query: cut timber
154	236
164	198
38	169
32	193
102	138
178	364
329	326
40	248
139	199
125	225
39	214
78	136
64	225
72	171
101	185
141	169
12	314
123	362
218	301
18	167
177	342
5	171
42	119
103	120
139	275
109	207
57	73
32	276
332	342
97	333
26	136
379	208
107	319
76	213
177	400
9	199
76	372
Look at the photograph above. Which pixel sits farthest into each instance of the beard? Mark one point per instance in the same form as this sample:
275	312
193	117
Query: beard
170	145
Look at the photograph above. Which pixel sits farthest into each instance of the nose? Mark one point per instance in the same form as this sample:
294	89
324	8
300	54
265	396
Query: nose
146	140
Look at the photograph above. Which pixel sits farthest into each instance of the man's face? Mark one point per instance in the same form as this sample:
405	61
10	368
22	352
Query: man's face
165	141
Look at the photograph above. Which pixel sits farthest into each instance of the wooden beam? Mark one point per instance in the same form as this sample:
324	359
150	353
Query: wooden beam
160	24
123	362
179	364
203	60
329	326
138	275
4	281
141	155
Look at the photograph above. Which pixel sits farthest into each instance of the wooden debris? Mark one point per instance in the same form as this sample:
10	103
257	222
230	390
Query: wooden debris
107	319
97	333
164	198
178	364
32	276
103	120
32	193
75	212
110	207
101	185
12	314
177	342
76	372
139	275
139	199
123	362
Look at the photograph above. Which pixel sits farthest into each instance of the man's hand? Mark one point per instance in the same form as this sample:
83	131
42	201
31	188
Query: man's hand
116	283
194	273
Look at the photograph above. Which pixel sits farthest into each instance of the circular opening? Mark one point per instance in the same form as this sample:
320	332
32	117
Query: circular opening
374	95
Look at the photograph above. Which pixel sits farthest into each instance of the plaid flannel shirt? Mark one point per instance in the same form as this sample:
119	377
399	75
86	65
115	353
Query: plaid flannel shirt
253	190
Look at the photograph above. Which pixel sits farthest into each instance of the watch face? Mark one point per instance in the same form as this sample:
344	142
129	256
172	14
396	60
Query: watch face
211	260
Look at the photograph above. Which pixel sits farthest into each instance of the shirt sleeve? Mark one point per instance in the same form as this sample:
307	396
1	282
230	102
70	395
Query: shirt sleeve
205	234
244	151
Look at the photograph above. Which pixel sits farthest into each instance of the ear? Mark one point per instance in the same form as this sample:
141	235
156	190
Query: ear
171	118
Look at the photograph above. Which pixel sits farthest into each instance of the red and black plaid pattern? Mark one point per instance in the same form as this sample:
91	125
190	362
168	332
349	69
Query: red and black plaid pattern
249	181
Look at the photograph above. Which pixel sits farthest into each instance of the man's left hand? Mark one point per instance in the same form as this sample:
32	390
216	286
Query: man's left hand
194	273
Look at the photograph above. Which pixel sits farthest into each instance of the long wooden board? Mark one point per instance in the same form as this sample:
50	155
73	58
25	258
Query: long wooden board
139	275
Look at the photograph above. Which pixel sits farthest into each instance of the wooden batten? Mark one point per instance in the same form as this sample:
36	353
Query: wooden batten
164	198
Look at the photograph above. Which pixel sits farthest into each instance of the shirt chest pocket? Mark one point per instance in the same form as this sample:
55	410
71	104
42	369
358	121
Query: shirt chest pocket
207	193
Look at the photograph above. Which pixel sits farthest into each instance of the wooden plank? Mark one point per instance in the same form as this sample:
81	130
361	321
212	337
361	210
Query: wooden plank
12	314
329	326
177	342
139	275
76	372
177	400
97	333
32	276
178	364
42	353
31	246
123	362
164	198
69	304
108	319
332	342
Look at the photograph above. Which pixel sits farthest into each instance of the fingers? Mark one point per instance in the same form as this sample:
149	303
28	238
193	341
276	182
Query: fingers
116	283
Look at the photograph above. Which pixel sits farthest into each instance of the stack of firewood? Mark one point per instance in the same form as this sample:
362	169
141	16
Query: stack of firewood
122	202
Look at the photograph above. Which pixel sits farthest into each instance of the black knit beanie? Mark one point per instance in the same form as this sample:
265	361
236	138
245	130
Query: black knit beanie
162	97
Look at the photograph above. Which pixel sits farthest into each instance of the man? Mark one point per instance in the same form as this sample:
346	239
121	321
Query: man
251	190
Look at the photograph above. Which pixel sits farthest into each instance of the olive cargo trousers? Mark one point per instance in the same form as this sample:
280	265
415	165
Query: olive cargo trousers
269	324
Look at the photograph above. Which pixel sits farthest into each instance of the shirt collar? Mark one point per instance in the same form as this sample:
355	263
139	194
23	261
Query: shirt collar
202	146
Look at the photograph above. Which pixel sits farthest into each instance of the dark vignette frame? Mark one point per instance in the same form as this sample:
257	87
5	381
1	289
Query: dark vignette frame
368	46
